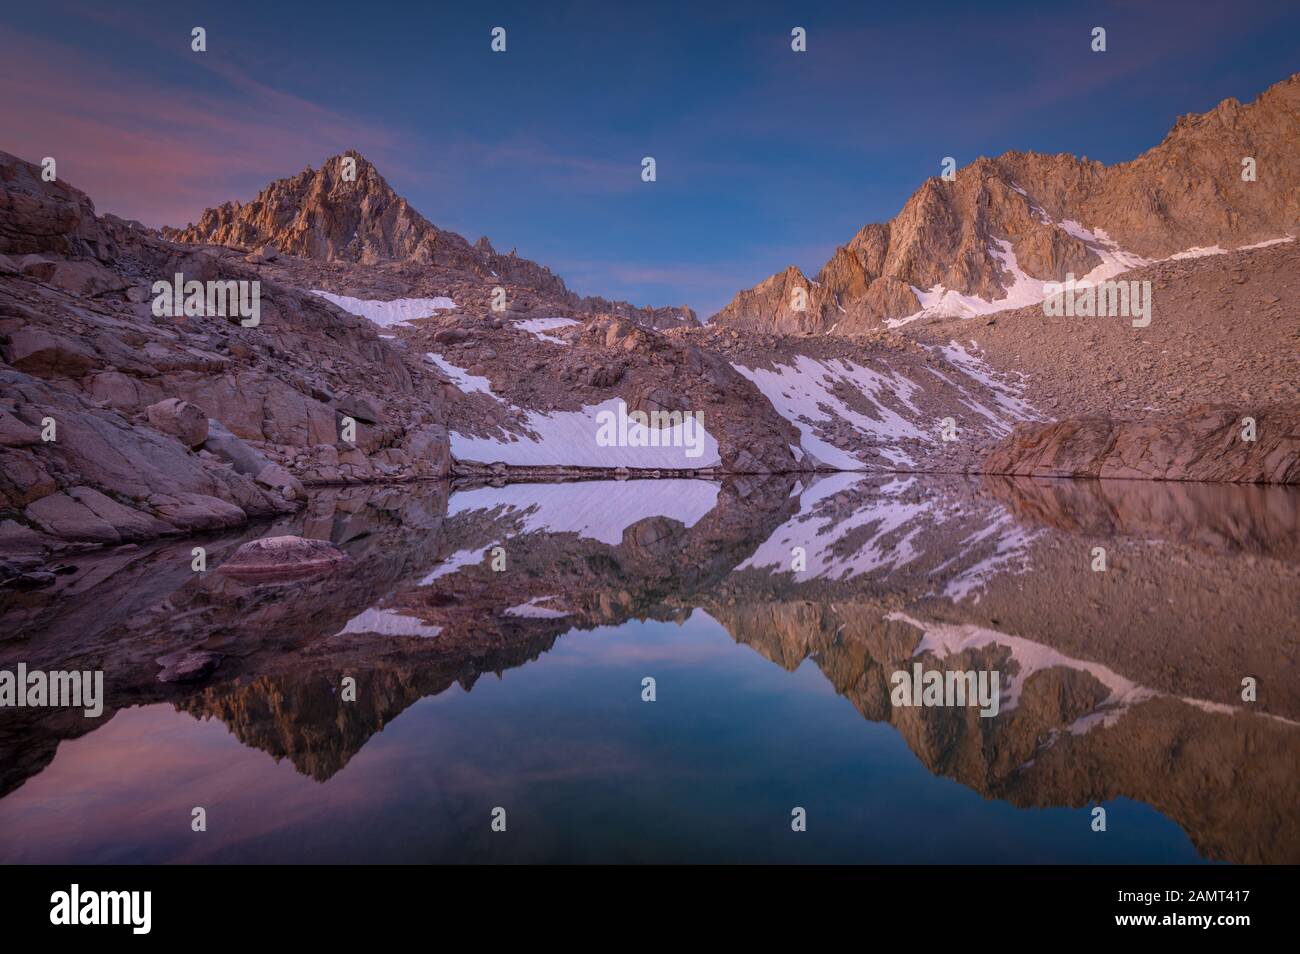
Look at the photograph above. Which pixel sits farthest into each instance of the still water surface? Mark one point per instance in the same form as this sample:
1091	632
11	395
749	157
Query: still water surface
770	613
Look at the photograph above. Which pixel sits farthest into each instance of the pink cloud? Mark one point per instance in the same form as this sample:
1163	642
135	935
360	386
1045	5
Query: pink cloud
147	150
155	153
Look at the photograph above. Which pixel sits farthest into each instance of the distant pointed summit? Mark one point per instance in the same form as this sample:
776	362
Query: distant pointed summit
343	211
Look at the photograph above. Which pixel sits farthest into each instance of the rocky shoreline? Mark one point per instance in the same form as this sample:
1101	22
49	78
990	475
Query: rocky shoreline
383	349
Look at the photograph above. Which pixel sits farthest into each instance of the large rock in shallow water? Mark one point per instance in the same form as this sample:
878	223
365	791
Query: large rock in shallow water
244	458
278	478
280	557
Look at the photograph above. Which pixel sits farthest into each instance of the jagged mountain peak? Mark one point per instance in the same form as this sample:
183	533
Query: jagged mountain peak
346	212
1006	224
342	211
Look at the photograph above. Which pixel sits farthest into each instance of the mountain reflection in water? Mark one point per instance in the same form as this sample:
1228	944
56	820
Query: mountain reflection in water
1120	688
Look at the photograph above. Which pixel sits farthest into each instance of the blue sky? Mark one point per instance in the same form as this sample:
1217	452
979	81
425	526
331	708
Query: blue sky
765	157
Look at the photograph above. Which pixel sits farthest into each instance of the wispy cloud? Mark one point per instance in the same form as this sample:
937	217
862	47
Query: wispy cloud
766	158
154	152
162	154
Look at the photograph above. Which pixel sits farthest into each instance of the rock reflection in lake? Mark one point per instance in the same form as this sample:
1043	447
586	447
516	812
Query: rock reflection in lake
1121	687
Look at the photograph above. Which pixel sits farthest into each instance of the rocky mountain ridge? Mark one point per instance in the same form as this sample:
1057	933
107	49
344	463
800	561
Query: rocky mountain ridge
989	237
373	318
119	424
346	212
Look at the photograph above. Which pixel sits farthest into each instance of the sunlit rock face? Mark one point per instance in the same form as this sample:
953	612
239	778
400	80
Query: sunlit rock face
323	221
986	239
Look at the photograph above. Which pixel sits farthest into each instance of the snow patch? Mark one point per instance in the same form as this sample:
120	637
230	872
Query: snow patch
388	313
468	383
803	393
1208	250
537	327
569	438
886	533
598	509
1007	396
941	302
388	623
819	531
531	609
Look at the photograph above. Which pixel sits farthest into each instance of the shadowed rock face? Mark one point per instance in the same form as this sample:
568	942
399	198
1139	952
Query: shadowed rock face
1116	696
283	556
80	345
1186	192
418	607
121	612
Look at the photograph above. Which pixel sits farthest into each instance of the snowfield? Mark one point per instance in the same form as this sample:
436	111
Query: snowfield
598	509
385	314
803	393
1024	290
1011	406
569	438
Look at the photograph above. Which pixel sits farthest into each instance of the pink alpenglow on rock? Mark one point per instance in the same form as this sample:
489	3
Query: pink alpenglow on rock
283	557
184	421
